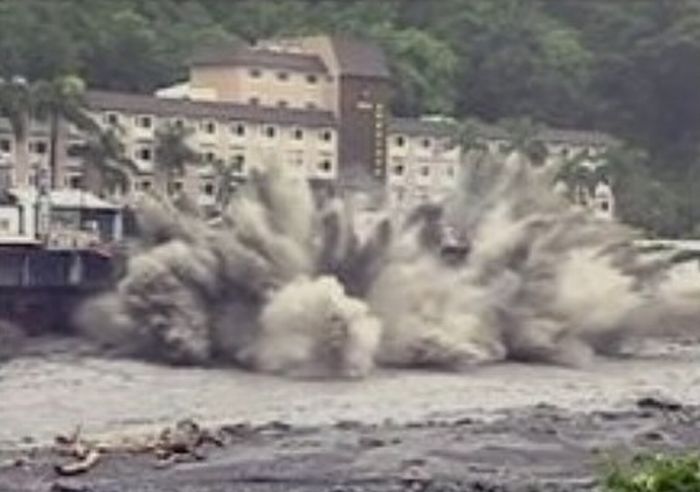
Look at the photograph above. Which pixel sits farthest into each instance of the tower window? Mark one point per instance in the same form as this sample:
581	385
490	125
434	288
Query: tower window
270	131
326	136
426	143
400	141
5	145
208	189
325	165
311	78
399	170
298	134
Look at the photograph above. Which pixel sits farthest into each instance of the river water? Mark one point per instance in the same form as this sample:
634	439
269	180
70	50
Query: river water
53	390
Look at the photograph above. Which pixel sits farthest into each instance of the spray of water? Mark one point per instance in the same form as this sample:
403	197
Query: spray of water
278	284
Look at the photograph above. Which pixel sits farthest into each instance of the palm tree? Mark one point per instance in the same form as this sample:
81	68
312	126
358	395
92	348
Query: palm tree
106	167
58	100
172	154
16	106
228	178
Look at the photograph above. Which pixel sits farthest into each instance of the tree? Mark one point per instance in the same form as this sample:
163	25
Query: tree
60	101
172	154
105	166
469	136
526	139
16	105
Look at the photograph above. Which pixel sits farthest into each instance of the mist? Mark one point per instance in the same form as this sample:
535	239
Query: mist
279	284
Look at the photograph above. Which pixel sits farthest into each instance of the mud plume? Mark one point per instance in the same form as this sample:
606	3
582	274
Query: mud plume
281	284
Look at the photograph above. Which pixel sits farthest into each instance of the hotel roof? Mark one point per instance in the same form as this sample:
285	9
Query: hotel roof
186	108
248	56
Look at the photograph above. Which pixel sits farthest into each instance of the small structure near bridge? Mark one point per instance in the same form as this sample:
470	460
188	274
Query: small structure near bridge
55	248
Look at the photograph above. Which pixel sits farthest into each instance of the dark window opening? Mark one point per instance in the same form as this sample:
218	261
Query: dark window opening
237	164
239	129
311	79
270	132
145	154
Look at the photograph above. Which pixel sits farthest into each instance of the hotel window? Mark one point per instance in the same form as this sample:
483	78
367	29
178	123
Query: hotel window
208	189
145	122
238	163
209	127
283	76
298	134
426	143
400	141
325	165
255	73
399	170
74	182
39	147
111	119
5	145
270	131
238	129
311	78
144	154
326	136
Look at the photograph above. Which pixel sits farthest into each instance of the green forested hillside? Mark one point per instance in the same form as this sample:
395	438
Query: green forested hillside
631	68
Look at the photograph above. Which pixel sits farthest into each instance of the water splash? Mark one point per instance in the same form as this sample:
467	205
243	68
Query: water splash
280	285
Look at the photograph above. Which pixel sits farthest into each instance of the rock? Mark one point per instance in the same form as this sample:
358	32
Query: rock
372	442
663	404
68	487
